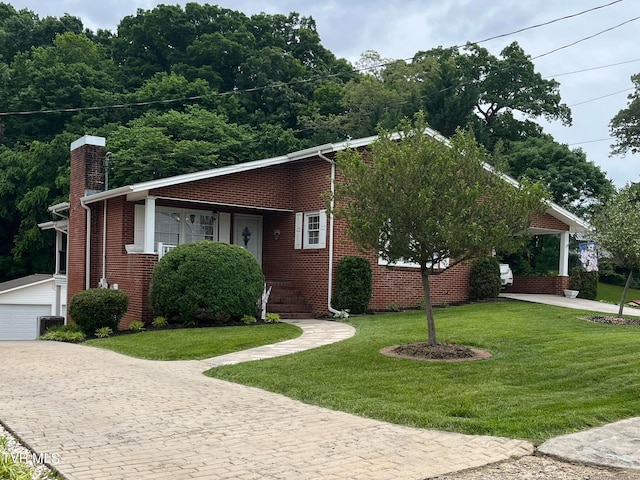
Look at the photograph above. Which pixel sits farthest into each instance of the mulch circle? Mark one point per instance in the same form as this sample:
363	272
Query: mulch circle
442	352
612	320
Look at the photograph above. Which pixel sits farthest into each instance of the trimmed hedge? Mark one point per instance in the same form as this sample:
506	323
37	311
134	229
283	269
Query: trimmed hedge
353	285
585	282
206	282
98	307
485	279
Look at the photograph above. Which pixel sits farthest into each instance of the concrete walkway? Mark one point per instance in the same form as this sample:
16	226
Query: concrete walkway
576	303
315	333
102	415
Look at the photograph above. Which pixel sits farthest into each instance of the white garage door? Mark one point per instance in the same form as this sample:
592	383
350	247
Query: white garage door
20	322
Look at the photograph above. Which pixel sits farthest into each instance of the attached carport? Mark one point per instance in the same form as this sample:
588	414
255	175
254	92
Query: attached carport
24	300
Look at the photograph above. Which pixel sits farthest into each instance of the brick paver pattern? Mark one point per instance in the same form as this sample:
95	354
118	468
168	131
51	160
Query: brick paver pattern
108	416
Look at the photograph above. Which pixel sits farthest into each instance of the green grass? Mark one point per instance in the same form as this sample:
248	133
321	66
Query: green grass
196	343
613	293
551	373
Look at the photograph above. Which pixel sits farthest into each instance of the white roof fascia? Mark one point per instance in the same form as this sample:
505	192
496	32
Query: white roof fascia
33	284
575	223
140	190
97	197
60	225
59	207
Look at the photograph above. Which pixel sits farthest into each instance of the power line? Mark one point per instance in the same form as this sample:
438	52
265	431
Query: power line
547	23
302	81
591	141
601	97
592	68
585	38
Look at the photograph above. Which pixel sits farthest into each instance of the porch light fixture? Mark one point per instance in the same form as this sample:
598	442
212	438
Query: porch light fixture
276	234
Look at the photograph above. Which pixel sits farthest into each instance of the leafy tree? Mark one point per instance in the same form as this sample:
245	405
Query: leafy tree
425	200
574	182
625	126
617	229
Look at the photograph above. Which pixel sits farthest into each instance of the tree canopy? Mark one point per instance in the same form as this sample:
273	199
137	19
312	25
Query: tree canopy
179	88
625	126
408	198
617	229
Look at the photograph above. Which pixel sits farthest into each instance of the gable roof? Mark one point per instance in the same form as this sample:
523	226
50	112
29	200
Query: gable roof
575	223
23	282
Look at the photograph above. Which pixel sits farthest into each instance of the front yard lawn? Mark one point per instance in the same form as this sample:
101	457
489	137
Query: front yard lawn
196	343
551	372
613	293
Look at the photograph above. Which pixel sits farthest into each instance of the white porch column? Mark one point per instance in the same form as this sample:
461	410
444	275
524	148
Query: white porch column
149	224
564	254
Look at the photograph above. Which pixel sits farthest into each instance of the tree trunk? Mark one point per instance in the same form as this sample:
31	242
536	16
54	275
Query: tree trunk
431	325
624	292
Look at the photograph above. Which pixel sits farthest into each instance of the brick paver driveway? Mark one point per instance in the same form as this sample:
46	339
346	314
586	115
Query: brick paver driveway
108	416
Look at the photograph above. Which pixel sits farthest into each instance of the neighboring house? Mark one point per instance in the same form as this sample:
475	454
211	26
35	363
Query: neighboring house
273	207
24	300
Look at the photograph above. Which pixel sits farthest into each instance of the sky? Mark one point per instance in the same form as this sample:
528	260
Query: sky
400	28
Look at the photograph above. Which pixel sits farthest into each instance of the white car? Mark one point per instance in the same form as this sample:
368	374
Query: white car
506	275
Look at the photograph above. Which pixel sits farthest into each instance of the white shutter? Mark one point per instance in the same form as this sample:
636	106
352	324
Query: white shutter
138	220
323	229
298	234
224	225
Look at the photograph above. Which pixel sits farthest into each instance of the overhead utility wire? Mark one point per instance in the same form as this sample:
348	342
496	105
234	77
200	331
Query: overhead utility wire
592	68
294	82
546	23
585	38
601	97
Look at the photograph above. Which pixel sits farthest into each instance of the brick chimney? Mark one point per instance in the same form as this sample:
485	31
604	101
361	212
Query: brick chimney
87	177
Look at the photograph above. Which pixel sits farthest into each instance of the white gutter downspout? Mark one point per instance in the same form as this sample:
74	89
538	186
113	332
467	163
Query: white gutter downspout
87	246
331	220
103	280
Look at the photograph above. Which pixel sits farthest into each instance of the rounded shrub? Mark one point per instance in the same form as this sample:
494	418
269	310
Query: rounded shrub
485	279
206	282
98	307
353	285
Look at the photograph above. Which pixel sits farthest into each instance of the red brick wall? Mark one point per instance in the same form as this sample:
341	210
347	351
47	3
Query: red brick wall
546	285
269	187
549	222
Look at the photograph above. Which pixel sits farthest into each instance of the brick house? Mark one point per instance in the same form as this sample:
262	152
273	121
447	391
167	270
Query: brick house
116	237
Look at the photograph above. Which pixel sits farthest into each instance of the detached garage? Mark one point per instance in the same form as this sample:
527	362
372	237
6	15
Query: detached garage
25	299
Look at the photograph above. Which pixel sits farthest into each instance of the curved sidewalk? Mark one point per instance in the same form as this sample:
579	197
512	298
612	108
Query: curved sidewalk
576	303
315	333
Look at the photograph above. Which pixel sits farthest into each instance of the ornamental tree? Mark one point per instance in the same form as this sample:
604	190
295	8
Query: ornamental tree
417	197
617	229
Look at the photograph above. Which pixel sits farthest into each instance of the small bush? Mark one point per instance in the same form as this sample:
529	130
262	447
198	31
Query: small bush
69	336
9	467
98	307
272	318
69	327
159	322
136	326
353	285
485	279
249	319
575	278
206	282
103	332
